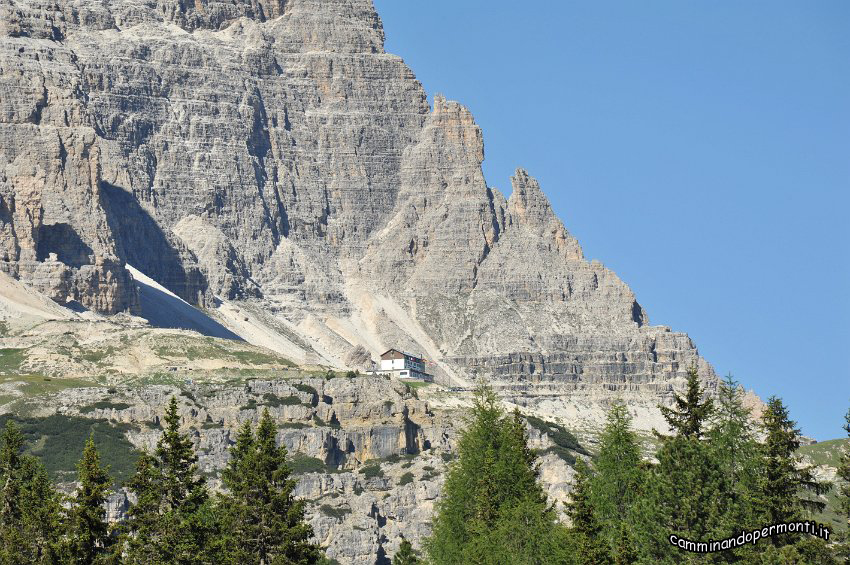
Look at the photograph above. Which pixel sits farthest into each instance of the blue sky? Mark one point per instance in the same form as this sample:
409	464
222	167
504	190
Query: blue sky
699	149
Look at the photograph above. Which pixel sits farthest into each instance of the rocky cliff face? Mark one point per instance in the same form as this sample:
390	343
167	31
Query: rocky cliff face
370	457
271	153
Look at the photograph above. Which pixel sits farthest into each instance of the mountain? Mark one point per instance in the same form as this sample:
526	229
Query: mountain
267	161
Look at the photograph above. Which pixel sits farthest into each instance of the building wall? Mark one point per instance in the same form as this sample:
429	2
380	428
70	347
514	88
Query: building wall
404	374
404	363
392	364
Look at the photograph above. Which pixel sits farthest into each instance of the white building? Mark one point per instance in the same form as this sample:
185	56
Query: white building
403	366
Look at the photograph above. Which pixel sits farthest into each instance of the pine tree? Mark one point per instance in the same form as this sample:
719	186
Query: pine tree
493	509
30	511
586	531
690	412
172	521
264	522
618	481
405	554
783	482
89	531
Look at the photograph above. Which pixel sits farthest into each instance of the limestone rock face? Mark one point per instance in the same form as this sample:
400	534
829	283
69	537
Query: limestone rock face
346	426
271	153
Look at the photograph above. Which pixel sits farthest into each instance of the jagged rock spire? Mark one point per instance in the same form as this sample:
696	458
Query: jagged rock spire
529	207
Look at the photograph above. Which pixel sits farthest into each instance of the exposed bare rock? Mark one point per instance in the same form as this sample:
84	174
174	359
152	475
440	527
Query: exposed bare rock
359	358
268	161
378	454
270	151
225	268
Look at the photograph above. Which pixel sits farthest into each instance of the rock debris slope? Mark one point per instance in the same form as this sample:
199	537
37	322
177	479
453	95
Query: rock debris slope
268	157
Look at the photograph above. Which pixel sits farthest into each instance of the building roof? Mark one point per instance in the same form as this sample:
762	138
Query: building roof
391	351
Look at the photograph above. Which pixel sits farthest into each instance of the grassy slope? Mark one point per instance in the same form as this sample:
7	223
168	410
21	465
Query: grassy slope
825	452
58	441
828	454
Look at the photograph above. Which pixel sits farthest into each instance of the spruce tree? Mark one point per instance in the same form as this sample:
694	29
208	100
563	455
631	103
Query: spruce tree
618	481
808	550
690	413
463	506
405	554
11	450
142	531
42	514
183	487
684	490
844	494
493	509
624	551
264	522
89	531
172	521
784	484
844	473
588	539
30	511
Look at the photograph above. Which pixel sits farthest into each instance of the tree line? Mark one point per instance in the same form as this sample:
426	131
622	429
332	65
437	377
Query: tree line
715	475
174	518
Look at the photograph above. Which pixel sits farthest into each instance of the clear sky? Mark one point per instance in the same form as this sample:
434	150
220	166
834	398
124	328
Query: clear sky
701	150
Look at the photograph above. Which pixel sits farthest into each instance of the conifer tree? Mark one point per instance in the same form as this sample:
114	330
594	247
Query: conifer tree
808	550
172	521
683	497
783	483
493	510
844	473
265	522
843	550
733	446
690	413
89	531
42	512
525	533
588	540
624	551
30	517
11	450
142	529
685	489
618	480
183	487
405	554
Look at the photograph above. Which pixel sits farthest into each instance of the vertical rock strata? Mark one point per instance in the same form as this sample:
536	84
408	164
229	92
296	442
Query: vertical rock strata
271	152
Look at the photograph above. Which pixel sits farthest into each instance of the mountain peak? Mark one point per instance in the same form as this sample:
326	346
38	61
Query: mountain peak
529	207
527	201
457	127
266	161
